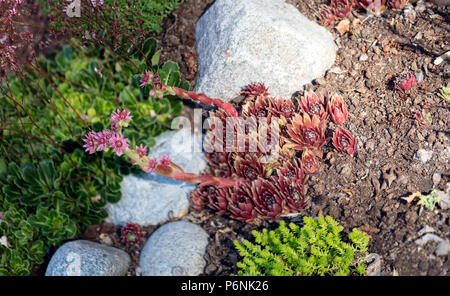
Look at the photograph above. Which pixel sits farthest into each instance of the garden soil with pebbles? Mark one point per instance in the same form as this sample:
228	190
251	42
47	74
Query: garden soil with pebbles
365	191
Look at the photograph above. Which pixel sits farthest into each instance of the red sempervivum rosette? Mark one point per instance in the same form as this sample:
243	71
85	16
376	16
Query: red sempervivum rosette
344	141
255	89
268	203
250	168
306	133
292	192
282	107
219	200
341	8
309	162
405	82
313	104
241	205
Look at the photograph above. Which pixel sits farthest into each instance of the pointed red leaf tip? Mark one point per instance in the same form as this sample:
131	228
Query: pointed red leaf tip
344	141
337	109
405	82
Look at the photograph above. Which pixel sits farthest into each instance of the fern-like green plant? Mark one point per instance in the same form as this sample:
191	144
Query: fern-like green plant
314	249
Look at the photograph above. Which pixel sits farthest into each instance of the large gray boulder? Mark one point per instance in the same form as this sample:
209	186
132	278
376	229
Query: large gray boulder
86	258
270	41
151	199
176	248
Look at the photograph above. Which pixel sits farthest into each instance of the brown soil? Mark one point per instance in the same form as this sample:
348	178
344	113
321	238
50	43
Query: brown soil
365	191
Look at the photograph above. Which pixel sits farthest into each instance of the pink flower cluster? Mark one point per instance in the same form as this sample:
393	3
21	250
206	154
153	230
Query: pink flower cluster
105	140
113	139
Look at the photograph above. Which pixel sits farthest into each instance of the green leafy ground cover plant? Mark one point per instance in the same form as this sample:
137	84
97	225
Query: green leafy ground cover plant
429	201
50	190
314	249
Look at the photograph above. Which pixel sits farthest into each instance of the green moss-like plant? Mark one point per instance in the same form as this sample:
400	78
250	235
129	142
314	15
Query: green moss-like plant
314	249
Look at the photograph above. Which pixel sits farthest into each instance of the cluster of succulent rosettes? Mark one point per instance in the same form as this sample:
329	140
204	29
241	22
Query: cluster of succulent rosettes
272	187
131	234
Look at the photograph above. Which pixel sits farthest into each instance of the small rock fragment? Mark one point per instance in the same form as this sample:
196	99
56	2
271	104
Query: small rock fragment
374	268
436	178
444	202
425	229
443	249
424	155
427	238
440	59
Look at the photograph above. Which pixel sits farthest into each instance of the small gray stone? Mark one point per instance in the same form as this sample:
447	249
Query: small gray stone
444	202
363	57
424	155
443	249
270	41
175	249
374	268
427	238
152	199
425	229
85	258
436	178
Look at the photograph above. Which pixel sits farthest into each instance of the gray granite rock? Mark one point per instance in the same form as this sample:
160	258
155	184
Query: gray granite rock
152	199
270	41
176	248
85	258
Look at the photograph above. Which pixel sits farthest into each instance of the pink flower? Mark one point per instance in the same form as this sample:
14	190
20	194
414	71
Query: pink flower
101	140
165	160
118	143
141	151
151	165
115	127
145	78
118	115
90	142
